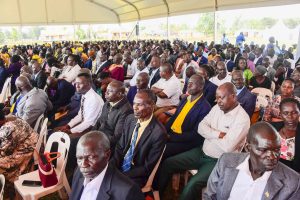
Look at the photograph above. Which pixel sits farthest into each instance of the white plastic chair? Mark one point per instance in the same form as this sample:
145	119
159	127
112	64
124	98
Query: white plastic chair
2	181
38	123
6	90
31	193
42	139
148	186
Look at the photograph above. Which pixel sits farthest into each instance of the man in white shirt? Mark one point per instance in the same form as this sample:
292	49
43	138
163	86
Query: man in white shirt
141	67
255	175
224	130
95	179
90	107
222	75
71	71
167	90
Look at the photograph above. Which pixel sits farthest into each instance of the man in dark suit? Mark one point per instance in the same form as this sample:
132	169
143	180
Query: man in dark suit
246	99
142	141
114	112
154	70
209	89
39	77
182	127
95	179
142	81
104	63
257	174
60	92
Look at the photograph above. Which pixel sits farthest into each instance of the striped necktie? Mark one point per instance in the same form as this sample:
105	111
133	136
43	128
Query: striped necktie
128	157
82	108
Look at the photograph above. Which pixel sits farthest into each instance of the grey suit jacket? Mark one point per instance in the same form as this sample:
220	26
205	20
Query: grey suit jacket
32	105
283	183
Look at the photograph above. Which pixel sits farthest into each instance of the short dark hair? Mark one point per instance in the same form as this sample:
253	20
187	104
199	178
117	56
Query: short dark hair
151	96
289	100
86	75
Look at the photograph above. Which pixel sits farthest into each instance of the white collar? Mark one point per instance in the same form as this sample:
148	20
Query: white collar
95	184
244	166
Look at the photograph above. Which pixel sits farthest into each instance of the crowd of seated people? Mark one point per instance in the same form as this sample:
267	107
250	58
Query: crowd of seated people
128	105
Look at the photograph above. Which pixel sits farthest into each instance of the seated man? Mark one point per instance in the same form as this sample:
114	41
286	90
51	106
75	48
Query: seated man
224	129
246	99
39	77
167	90
182	127
90	107
209	90
142	81
141	67
222	75
32	102
254	175
115	110
60	92
142	141
94	177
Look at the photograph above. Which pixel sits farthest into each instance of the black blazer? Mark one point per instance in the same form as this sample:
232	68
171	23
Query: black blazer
147	151
294	164
111	122
155	78
247	101
40	80
115	186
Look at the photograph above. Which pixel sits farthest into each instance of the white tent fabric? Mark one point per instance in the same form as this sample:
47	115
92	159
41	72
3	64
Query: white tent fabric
44	12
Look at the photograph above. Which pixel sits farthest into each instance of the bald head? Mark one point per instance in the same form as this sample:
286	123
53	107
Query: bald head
142	80
262	130
228	87
23	84
118	85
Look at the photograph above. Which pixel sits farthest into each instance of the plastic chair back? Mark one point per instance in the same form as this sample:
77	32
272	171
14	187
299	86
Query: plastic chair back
63	142
2	181
6	90
42	138
148	186
38	123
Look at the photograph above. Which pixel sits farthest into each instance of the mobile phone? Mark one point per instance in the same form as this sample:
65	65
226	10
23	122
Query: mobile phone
32	183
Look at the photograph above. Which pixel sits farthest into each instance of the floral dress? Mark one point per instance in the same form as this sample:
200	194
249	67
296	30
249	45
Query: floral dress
287	148
17	143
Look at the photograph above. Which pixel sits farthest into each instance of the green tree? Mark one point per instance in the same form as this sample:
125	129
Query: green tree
2	37
15	34
35	32
81	35
205	23
291	23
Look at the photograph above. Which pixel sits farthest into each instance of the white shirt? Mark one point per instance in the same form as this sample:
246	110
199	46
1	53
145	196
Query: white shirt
256	59
272	60
70	73
234	123
244	187
132	68
215	80
92	108
91	188
172	88
133	80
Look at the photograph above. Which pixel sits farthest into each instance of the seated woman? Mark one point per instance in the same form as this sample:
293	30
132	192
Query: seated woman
116	69
272	112
17	143
247	73
289	130
259	79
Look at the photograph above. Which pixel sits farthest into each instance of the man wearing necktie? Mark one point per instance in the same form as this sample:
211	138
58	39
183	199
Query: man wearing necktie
95	179
142	141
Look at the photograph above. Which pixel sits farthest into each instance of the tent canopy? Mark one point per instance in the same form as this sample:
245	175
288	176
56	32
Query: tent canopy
51	12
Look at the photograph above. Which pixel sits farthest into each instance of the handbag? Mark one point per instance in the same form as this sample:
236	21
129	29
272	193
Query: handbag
47	172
